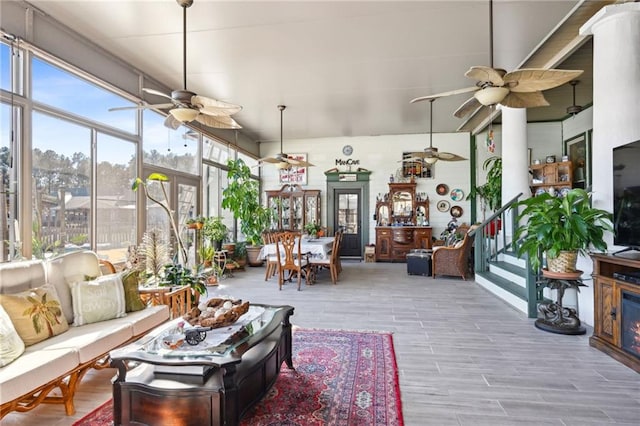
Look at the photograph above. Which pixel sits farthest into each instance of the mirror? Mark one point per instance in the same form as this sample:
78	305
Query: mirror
402	203
383	215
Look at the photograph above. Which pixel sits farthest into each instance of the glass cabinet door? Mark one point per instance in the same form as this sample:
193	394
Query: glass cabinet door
286	212
297	208
312	209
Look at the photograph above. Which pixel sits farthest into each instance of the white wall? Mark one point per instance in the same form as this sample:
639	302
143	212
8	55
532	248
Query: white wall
381	155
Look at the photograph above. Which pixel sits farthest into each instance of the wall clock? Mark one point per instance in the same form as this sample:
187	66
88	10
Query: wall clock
347	150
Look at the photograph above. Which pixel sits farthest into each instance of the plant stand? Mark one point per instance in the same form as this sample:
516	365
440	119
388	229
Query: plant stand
552	316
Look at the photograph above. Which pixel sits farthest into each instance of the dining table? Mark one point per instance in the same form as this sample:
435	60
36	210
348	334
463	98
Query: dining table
318	248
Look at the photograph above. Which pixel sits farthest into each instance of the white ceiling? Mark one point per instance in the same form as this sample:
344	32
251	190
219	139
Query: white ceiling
343	68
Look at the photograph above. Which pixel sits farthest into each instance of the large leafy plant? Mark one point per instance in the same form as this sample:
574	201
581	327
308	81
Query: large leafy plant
553	224
242	197
490	193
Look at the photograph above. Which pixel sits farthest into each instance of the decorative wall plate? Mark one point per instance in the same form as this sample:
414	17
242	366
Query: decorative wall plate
442	189
540	191
442	205
456	211
457	194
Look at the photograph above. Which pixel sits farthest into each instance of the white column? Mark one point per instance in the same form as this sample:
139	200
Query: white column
515	168
616	90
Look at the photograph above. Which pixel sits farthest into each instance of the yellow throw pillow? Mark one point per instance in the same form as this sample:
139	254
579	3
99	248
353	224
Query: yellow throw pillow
36	314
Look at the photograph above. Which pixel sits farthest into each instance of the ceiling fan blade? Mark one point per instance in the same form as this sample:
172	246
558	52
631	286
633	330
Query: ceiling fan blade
172	122
156	92
145	106
218	122
298	163
443	94
469	106
535	79
524	100
271	160
447	156
486	74
214	107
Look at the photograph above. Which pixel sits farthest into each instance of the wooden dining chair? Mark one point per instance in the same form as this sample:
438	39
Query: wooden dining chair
270	237
339	236
290	258
330	262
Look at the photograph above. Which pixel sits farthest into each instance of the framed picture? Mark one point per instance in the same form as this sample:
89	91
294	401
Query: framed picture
416	167
294	174
579	151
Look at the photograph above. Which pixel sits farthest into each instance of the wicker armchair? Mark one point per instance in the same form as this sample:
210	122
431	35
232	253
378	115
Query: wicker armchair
453	260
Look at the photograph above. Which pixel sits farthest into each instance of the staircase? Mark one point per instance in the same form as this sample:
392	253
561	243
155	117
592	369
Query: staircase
497	267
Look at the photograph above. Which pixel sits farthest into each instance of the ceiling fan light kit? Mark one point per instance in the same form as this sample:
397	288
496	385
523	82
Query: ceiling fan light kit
491	95
574	109
184	114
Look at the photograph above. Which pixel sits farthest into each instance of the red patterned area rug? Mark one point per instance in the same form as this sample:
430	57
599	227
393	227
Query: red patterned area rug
341	378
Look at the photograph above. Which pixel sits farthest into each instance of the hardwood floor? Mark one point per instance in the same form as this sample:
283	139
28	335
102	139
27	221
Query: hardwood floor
464	356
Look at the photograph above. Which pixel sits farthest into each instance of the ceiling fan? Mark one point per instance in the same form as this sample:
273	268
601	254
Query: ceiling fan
431	155
187	106
516	89
281	160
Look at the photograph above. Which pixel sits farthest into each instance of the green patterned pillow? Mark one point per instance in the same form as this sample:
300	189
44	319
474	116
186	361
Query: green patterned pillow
36	313
11	345
97	300
131	296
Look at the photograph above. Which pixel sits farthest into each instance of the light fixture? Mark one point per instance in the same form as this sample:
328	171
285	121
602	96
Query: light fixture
283	165
491	95
431	160
574	109
184	115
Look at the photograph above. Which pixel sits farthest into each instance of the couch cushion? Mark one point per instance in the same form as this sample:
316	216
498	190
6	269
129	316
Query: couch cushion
33	369
131	295
21	276
97	300
11	345
36	313
69	268
146	319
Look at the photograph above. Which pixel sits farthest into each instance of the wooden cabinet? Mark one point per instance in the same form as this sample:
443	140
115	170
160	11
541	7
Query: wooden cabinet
613	318
295	207
551	175
402	219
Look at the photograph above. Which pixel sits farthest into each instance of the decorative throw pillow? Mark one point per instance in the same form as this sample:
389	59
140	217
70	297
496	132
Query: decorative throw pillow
132	299
97	300
11	345
36	313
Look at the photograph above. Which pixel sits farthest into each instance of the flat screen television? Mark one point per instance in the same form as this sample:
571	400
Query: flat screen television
626	195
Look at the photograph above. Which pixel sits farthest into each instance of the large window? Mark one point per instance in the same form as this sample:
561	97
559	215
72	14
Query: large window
5	67
168	148
9	237
116	205
61	185
65	91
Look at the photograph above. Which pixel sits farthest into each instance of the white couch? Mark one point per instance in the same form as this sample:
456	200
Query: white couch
61	361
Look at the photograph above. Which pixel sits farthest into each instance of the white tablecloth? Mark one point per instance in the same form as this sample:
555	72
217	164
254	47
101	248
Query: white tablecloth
317	247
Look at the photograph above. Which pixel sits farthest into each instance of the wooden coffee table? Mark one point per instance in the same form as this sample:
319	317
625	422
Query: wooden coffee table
207	384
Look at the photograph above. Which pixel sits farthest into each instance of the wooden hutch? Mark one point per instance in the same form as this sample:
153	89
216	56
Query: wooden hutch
295	207
558	176
616	325
402	220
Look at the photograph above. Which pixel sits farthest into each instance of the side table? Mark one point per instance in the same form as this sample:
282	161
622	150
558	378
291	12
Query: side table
553	316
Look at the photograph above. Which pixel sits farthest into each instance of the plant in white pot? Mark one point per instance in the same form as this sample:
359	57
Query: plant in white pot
242	198
562	228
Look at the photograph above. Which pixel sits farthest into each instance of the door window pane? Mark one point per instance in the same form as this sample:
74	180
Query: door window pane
61	185
348	213
116	205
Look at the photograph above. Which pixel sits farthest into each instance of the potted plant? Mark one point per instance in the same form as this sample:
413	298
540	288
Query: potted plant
560	227
242	197
489	193
206	254
215	231
175	275
196	222
312	229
